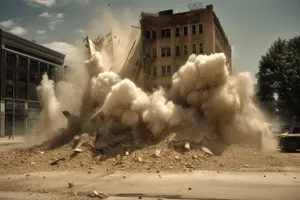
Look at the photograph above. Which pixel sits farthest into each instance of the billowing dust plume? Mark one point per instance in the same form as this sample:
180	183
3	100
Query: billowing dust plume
203	102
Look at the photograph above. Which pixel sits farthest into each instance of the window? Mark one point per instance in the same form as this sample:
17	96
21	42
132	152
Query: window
154	71
177	51
185	30
185	49
148	52
194	48
154	34
177	31
154	86
10	59
165	33
9	92
22	77
147	34
194	29
51	70
23	62
201	50
44	68
21	93
168	51
169	70
163	52
201	28
38	80
32	78
9	75
163	70
34	65
154	53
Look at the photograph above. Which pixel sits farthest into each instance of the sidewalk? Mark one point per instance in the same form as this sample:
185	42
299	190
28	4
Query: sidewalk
16	140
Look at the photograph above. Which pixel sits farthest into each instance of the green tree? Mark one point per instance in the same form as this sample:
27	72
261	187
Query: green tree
279	79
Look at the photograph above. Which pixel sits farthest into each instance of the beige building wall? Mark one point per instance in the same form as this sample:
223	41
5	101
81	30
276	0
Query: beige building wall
155	23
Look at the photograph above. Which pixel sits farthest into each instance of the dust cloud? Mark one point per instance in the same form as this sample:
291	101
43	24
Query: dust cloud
204	102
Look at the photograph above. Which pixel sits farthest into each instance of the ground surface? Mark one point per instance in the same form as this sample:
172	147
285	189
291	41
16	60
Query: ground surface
121	185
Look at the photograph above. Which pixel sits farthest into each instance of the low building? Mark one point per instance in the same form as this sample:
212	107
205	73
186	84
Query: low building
23	64
169	38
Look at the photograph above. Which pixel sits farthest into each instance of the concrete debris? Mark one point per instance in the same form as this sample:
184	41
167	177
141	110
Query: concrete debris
77	150
127	153
194	156
27	175
41	152
139	159
70	184
206	150
33	163
187	146
100	195
157	153
245	165
177	157
190	166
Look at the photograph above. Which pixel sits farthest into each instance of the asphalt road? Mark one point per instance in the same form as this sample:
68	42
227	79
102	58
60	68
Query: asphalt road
193	185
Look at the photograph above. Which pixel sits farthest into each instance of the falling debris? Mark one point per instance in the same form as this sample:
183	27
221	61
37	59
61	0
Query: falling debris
70	184
157	153
187	146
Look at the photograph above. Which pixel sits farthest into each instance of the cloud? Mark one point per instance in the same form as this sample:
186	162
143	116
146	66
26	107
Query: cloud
81	31
7	23
71	51
41	32
48	3
18	30
53	18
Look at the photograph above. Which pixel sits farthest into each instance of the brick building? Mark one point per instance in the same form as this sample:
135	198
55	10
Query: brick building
169	38
22	65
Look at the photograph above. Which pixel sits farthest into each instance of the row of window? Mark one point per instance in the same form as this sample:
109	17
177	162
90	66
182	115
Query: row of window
20	94
23	63
166	32
165	70
165	86
22	77
166	51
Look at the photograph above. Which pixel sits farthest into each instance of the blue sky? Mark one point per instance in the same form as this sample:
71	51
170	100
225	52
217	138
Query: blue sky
251	26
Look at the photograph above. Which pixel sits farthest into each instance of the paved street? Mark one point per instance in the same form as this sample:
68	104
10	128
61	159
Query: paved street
194	185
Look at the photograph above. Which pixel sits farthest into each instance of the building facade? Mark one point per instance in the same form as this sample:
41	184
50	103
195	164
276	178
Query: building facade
169	38
23	64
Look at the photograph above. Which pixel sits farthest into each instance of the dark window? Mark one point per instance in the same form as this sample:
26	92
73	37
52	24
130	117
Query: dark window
163	70
154	86
169	71
177	31
21	93
177	51
154	71
32	78
194	29
163	52
38	80
10	59
165	33
200	28
9	75
154	34
23	62
22	77
34	65
168	51
51	70
147	34
9	92
185	49
44	68
154	53
201	50
185	30
296	130
194	48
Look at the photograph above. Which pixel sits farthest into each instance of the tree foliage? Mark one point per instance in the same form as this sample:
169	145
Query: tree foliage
279	78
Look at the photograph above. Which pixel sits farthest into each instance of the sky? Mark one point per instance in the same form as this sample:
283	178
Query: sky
251	26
